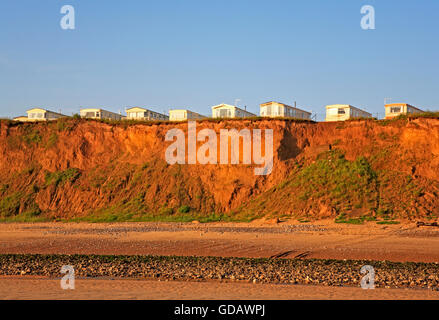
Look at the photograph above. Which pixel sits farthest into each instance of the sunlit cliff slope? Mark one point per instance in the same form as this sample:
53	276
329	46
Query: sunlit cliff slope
79	169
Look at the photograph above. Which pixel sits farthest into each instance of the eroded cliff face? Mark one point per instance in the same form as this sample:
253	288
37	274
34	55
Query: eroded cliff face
75	168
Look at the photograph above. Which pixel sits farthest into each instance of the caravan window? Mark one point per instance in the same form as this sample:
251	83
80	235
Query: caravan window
37	115
223	113
269	110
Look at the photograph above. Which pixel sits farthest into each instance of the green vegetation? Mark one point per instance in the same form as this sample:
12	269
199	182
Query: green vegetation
65	124
388	222
129	122
112	217
19	207
342	181
51	141
59	178
343	218
351	221
96	179
4	188
29	136
32	137
332	186
289	119
10	205
184	209
394	120
385	122
427	114
360	119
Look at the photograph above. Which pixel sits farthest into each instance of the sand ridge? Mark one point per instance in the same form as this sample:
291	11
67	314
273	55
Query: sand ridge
323	239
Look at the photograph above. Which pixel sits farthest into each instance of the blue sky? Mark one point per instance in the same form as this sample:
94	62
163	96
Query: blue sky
198	53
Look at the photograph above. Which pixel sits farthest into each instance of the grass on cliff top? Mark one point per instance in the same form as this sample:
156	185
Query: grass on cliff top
130	122
62	124
427	114
413	116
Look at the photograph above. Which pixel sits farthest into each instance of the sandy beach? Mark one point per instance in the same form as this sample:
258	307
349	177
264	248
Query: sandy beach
41	288
323	240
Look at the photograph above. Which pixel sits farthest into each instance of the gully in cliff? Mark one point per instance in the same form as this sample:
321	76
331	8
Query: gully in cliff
207	153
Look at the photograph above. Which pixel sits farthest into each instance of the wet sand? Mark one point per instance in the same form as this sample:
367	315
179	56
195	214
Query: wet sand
41	288
325	240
